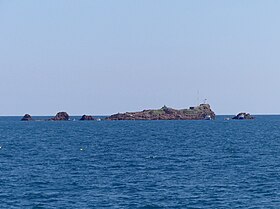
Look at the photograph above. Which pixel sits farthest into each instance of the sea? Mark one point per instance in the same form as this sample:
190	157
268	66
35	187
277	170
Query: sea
140	164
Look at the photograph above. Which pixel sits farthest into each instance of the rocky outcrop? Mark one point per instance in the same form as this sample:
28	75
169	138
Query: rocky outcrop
200	112
61	116
87	117
27	117
243	116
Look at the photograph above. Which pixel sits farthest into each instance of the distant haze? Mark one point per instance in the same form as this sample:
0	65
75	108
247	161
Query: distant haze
107	56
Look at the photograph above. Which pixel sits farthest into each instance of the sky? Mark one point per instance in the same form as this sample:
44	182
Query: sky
105	56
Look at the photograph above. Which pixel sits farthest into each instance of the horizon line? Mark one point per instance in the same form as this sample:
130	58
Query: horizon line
79	115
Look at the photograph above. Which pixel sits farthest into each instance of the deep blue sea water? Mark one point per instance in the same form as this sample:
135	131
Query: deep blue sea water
140	164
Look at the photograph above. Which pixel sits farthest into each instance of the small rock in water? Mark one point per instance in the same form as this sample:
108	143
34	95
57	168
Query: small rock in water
243	116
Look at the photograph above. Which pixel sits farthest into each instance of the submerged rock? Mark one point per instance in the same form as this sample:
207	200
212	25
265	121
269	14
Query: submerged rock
87	117
165	113
27	117
243	116
61	116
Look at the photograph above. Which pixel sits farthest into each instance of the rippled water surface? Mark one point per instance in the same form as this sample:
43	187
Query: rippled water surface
140	164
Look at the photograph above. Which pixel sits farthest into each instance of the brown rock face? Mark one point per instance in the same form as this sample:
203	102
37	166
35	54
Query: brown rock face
61	116
87	117
201	112
27	117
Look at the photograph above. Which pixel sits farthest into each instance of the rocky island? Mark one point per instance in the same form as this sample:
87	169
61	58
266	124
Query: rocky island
243	116
201	112
26	117
87	117
60	116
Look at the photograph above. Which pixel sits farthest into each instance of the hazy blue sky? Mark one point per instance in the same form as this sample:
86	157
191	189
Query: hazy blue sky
107	56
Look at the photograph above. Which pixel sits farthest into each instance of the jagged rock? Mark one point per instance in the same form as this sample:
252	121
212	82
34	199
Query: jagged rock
87	117
201	112
27	117
243	116
61	116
